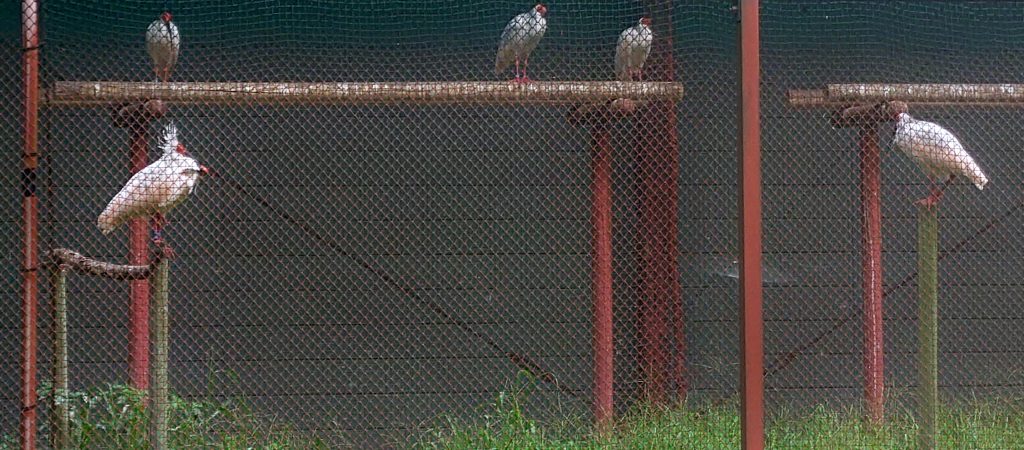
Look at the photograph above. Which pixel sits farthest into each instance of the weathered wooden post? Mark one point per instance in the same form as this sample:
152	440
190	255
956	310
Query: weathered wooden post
158	389
60	437
60	261
928	323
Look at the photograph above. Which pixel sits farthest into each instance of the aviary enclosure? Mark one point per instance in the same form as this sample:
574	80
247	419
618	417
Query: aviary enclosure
392	233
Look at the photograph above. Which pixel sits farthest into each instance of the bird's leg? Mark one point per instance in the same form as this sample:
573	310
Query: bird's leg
158	222
936	192
526	63
516	79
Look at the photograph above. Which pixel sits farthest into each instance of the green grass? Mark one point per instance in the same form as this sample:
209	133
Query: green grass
114	417
508	426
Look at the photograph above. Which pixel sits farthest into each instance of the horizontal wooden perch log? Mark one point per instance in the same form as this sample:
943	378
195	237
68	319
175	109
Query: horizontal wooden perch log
869	114
83	264
93	93
842	95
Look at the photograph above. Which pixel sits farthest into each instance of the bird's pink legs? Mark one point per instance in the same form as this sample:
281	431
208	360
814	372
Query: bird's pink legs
522	78
162	74
936	192
516	79
157	223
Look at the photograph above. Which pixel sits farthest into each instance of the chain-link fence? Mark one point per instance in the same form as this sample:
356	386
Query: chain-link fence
840	219
366	261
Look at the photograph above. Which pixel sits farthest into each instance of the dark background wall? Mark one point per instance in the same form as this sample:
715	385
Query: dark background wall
485	210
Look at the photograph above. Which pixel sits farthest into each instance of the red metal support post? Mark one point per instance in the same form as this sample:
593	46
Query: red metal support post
138	255
30	223
136	117
752	328
658	166
601	222
871	264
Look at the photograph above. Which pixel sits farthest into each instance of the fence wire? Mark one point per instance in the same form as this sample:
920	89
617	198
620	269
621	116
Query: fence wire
359	273
363	274
817	327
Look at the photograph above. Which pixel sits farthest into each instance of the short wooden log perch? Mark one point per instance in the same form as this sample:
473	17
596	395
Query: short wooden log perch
83	264
94	93
867	115
138	114
602	113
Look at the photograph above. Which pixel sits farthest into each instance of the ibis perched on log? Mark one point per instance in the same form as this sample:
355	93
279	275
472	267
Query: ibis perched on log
163	43
939	154
156	189
521	36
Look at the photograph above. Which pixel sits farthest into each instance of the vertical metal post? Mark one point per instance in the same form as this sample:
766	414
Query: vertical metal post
752	328
30	222
60	432
601	222
658	165
871	269
158	390
928	318
136	118
138	336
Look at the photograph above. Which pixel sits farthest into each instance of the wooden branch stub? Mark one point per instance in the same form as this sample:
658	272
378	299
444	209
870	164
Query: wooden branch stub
94	93
601	114
138	114
867	115
80	263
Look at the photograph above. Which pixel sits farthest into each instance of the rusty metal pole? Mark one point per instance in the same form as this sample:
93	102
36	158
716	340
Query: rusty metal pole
598	117
136	118
30	223
871	269
752	328
138	255
658	166
601	222
867	119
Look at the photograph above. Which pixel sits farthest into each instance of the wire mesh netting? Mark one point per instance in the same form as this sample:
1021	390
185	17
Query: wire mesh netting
369	272
358	273
821	338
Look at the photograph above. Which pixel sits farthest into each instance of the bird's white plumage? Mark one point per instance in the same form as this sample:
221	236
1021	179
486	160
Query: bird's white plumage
520	37
936	150
632	50
157	188
163	43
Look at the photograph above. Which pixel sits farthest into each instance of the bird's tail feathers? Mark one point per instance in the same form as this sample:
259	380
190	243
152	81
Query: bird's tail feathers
503	60
169	138
980	180
106	223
